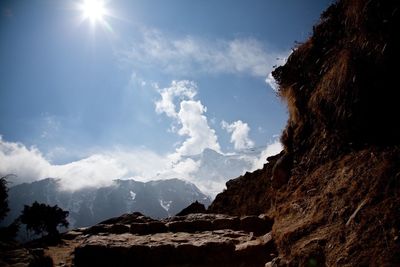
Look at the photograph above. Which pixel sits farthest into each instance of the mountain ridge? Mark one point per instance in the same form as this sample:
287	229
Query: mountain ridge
88	206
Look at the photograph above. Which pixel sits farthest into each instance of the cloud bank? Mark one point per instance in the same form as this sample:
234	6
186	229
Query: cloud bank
100	169
96	170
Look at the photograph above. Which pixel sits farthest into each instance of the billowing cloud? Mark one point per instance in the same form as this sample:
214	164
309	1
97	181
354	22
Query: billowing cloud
178	89
99	169
240	134
190	54
189	117
27	163
196	128
94	171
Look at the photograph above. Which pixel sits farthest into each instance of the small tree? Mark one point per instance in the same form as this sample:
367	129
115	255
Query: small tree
3	198
8	232
42	218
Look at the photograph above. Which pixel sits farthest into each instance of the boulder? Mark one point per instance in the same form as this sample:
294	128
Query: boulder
195	207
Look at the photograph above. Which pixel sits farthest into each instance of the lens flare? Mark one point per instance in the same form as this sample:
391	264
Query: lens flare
94	10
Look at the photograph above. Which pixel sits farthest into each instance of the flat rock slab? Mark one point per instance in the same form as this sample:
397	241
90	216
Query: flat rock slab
208	248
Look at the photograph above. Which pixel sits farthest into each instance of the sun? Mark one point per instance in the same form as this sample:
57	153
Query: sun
94	10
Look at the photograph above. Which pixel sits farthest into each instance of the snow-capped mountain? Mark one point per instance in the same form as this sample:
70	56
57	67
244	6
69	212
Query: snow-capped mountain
215	169
157	199
216	166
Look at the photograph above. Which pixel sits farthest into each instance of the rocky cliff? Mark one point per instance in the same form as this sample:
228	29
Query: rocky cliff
334	192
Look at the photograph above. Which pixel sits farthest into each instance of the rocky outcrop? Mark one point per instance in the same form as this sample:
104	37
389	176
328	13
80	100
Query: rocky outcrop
334	192
247	194
192	240
195	207
207	248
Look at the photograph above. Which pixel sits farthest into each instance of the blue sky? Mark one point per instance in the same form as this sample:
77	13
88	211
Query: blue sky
72	88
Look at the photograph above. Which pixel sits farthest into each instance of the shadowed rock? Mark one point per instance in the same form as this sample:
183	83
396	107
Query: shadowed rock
192	240
195	207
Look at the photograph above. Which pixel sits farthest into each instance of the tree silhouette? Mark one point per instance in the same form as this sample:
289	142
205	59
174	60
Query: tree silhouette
3	198
7	232
42	218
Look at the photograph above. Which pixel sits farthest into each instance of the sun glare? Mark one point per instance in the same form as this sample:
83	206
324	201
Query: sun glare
94	10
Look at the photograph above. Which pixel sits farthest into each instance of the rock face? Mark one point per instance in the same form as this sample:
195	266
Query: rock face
337	197
192	240
247	194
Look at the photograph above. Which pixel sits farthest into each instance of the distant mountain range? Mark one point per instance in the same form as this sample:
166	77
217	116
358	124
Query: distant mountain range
158	199
88	206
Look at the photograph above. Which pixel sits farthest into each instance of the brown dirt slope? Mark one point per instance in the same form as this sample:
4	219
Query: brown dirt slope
334	192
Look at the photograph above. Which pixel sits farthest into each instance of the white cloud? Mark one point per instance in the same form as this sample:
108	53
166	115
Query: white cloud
190	54
190	118
195	126
100	169
182	168
178	89
28	164
240	134
95	171
272	149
